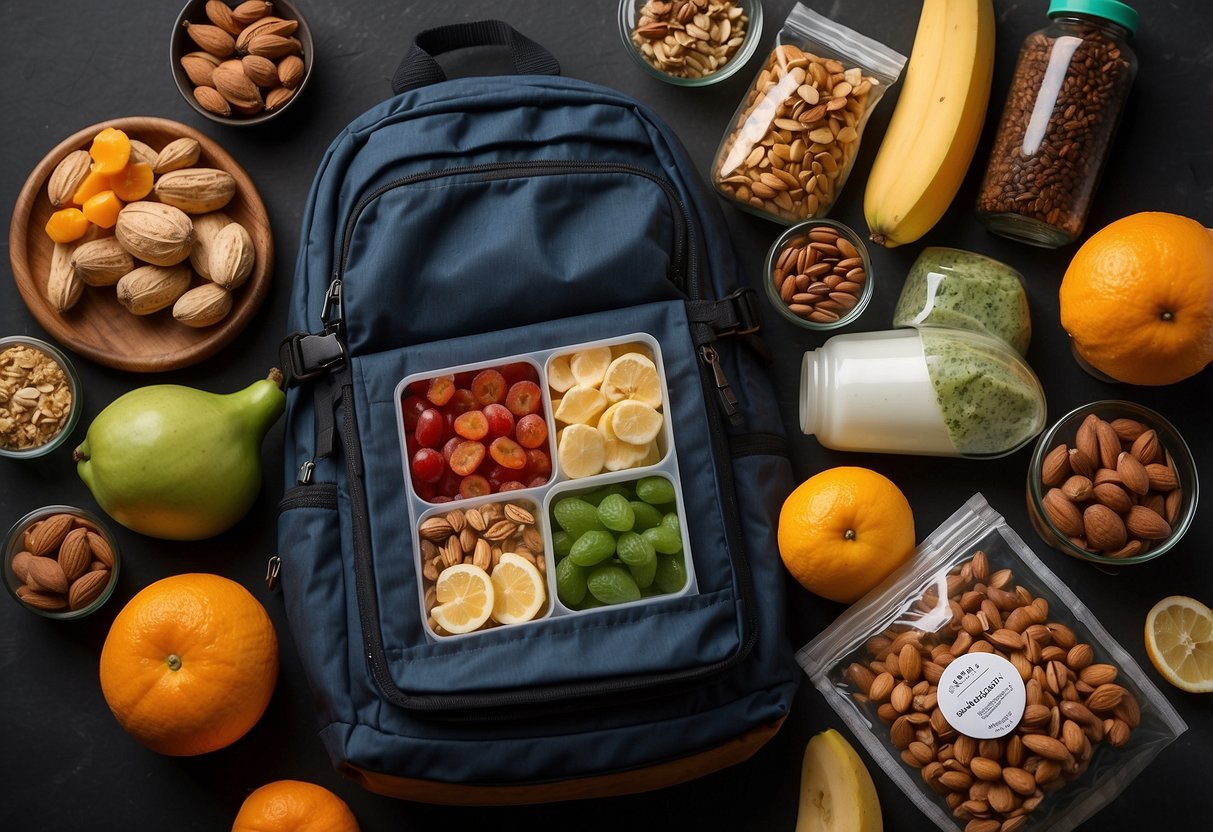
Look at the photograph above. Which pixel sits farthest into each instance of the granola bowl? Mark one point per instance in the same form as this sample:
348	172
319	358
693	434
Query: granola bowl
40	397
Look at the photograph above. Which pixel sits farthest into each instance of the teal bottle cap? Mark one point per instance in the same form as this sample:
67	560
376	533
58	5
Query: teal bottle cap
1112	10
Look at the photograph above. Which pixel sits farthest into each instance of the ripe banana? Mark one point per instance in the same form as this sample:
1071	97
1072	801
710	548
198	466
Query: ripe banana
836	791
937	121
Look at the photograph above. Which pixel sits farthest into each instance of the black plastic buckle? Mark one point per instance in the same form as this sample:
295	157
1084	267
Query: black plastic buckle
745	305
306	356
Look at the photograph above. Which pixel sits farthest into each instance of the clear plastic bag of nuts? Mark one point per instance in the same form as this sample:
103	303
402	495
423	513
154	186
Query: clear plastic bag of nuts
985	689
795	135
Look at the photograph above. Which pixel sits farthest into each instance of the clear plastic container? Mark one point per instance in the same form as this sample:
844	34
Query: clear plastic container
932	391
58	389
523	507
1066	98
960	289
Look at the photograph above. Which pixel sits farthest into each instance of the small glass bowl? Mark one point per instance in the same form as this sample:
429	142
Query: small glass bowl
1064	433
629	11
772	262
14	542
73	382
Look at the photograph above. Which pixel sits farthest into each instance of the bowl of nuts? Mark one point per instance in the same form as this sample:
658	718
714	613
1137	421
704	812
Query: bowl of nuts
60	562
241	64
818	275
690	43
39	397
1113	483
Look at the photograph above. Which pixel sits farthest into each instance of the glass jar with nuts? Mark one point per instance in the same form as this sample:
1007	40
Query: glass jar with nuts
39	397
985	689
796	133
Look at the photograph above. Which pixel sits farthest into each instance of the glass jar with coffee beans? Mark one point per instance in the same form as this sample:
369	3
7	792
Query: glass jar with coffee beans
1066	98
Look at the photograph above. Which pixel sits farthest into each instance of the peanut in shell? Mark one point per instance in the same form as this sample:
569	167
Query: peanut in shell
155	232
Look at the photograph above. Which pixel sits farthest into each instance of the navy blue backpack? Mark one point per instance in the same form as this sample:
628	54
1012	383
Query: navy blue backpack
458	223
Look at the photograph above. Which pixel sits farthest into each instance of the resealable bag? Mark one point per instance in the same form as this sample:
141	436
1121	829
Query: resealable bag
985	689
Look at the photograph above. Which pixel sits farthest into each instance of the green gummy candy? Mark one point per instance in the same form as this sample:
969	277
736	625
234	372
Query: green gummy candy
646	516
576	516
570	583
612	585
671	573
562	543
663	539
616	513
655	490
592	547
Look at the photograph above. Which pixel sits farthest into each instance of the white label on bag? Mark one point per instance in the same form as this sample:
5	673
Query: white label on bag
981	695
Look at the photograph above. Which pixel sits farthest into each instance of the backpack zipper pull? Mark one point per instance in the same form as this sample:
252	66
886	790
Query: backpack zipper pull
724	392
272	567
305	472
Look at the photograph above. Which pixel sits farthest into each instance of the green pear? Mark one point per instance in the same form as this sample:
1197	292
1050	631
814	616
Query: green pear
178	463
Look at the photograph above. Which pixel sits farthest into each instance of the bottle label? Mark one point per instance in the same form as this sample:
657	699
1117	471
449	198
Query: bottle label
981	695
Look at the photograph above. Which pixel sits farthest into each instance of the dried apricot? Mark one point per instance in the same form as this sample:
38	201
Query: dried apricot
133	182
111	150
93	184
67	226
102	209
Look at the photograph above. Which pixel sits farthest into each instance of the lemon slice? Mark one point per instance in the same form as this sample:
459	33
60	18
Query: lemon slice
1179	641
632	376
635	422
465	598
619	455
581	406
519	590
560	377
581	451
623	349
589	366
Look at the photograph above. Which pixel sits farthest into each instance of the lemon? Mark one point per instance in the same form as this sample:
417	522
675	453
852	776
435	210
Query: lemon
581	405
465	598
518	588
589	366
635	422
1179	641
581	451
632	376
560	377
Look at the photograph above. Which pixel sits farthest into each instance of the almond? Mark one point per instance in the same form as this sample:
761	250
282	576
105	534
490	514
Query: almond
1161	477
1080	463
266	26
1073	738
231	256
291	70
1145	524
882	687
261	71
1086	439
155	233
1173	502
1098	674
277	98
85	589
101	262
1018	780
1130	550
1113	496
203	305
1132	473
909	662
1128	710
196	190
100	548
49	534
273	46
1105	697
985	769
206	229
1079	657
211	38
177	154
1055	467
48	601
20	565
63	286
901	733
956	780
1077	488
1146	447
45	573
220	14
232	83
1035	715
1118	734
149	289
1104	528
1128	429
1047	747
251	11
210	100
1109	443
1062	513
436	529
75	554
1007	639
1104	475
67	176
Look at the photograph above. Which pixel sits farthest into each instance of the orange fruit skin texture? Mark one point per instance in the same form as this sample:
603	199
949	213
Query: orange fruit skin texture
1137	299
228	664
294	806
842	531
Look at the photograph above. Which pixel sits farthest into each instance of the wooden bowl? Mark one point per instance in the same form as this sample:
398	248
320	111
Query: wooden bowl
98	327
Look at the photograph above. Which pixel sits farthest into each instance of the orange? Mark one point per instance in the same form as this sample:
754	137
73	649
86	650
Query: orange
1137	299
843	531
189	664
1179	642
294	806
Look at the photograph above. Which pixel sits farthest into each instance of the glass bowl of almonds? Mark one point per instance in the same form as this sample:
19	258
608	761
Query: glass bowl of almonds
690	43
1112	482
60	562
818	275
39	397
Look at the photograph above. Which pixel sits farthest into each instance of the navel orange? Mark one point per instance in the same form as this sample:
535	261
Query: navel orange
841	532
294	806
1137	299
189	664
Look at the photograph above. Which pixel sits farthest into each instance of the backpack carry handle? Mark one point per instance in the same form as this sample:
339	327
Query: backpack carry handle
419	68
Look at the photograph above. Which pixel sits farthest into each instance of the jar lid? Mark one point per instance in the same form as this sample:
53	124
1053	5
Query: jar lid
1112	10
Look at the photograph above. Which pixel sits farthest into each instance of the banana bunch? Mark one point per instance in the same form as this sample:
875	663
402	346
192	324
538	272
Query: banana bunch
937	121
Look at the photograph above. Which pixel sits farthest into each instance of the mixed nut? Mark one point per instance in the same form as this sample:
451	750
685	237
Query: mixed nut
819	275
689	38
65	564
35	398
1073	703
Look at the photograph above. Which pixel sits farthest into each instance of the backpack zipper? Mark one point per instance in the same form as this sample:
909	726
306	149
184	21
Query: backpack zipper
578	694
